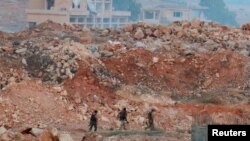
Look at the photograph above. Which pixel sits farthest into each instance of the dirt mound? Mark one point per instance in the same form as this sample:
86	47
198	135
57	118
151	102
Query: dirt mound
159	72
56	75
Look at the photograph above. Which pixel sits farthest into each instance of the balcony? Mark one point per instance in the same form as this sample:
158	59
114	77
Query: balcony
56	12
121	13
46	12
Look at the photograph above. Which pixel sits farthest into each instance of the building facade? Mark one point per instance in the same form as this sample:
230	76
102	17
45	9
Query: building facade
168	13
10	21
89	13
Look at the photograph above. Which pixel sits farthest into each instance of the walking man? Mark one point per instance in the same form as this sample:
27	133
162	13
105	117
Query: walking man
93	121
123	119
150	122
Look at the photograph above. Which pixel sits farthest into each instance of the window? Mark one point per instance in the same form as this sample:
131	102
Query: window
157	14
89	20
99	7
122	20
72	19
114	19
76	4
107	7
106	20
32	24
98	20
149	15
77	19
50	3
178	14
80	19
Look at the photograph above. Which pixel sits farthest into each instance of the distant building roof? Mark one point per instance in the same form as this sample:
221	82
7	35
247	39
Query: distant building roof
198	7
159	4
155	3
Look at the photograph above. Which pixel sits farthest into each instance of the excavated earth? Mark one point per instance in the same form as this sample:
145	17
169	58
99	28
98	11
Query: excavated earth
52	77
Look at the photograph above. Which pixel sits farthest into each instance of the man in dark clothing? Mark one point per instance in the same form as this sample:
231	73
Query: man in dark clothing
93	121
150	123
123	118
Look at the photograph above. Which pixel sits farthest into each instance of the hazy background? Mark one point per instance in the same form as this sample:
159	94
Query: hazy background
241	8
234	13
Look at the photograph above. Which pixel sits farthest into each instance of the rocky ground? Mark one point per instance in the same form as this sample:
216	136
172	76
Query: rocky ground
54	76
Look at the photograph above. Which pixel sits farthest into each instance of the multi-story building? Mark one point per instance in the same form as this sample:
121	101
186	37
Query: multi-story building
89	13
171	11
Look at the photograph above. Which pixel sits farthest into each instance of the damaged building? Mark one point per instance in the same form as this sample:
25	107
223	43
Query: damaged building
89	13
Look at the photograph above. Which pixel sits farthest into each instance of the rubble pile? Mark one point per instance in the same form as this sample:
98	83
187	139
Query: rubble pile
53	64
10	77
43	54
246	27
182	70
33	134
185	37
46	57
50	64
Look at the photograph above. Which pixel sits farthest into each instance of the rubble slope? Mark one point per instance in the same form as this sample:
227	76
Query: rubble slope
192	73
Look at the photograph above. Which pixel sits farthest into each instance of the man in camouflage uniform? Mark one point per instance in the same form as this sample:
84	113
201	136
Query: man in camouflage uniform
93	121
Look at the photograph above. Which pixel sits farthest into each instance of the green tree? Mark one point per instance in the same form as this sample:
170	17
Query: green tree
217	11
128	5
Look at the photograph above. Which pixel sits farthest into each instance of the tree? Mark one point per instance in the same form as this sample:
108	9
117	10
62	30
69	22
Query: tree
217	11
128	5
